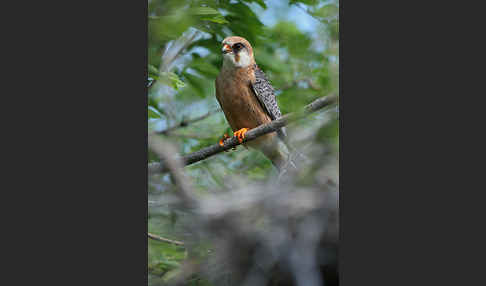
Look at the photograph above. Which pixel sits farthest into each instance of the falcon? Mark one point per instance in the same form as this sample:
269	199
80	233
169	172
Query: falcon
248	99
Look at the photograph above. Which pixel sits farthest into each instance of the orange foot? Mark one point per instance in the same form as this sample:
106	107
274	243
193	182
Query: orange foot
221	142
240	134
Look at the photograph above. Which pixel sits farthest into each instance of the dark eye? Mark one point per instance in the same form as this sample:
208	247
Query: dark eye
238	46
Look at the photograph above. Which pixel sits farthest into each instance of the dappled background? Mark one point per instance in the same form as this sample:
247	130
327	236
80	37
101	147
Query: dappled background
249	227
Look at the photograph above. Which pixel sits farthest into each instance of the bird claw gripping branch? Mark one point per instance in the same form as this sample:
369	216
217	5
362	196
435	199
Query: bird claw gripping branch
221	142
240	134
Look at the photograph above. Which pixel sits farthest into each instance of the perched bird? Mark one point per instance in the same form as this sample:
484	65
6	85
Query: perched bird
247	99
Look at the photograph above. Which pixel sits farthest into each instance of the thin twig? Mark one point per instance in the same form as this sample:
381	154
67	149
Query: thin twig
154	168
159	238
185	123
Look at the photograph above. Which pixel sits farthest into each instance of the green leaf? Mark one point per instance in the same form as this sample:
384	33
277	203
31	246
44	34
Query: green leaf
307	2
176	82
153	72
203	11
217	19
153	112
172	79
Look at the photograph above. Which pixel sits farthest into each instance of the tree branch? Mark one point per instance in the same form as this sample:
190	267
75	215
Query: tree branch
158	238
154	168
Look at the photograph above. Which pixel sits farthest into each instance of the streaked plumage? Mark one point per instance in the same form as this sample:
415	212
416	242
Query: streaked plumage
266	95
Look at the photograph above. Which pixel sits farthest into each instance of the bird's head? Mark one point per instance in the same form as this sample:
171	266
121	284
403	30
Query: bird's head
237	52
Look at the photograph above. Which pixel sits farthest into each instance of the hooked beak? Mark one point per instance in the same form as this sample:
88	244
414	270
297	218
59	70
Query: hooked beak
226	49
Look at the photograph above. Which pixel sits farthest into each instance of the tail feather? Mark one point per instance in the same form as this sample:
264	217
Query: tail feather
278	159
283	157
280	152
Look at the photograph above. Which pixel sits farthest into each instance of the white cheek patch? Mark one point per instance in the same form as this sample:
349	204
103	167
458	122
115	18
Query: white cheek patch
244	60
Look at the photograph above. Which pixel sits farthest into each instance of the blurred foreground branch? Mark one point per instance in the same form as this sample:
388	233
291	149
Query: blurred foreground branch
154	168
167	154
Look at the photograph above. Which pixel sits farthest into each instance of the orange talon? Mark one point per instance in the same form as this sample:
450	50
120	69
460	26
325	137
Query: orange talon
221	142
240	134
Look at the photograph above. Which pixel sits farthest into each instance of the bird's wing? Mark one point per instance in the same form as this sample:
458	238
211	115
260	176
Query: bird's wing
265	94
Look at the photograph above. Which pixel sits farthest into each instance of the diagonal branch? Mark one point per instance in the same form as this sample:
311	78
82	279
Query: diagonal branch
158	238
154	168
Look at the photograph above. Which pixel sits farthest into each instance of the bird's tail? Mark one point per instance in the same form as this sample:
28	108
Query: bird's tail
284	157
278	158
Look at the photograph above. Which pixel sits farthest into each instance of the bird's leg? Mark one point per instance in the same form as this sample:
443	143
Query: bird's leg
240	134
221	142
